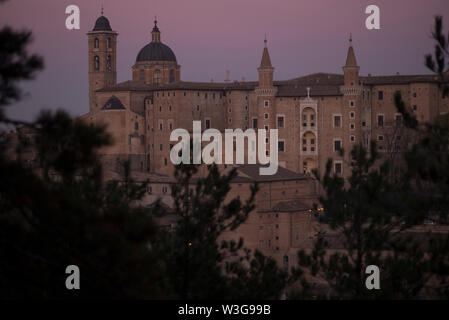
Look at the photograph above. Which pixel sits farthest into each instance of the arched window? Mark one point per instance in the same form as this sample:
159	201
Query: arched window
96	43
142	75
172	75
108	43
96	63
157	76
108	63
308	117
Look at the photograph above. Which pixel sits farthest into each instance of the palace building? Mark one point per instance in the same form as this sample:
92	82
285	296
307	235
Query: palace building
316	115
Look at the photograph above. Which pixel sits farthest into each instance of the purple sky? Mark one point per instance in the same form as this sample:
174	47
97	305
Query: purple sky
211	36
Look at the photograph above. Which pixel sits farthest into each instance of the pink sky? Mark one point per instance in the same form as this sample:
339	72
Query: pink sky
211	36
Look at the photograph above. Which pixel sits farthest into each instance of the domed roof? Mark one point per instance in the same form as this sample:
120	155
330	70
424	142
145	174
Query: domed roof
102	24
156	51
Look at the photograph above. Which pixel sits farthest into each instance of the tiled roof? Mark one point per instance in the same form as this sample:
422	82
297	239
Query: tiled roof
132	85
251	171
399	79
298	90
321	84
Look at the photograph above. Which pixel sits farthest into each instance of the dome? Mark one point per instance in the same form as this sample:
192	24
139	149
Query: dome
102	24
156	51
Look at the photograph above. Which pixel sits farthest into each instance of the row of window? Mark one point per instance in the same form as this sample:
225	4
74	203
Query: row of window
269	246
108	63
213	95
337	123
161	125
157	76
97	43
380	94
150	189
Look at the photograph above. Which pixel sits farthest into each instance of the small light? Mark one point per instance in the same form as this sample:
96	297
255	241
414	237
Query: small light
190	244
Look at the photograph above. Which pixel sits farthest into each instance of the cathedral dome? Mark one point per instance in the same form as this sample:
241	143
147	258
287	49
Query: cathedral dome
102	24
156	51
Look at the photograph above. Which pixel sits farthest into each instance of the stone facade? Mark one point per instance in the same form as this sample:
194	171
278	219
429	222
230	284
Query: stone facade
316	115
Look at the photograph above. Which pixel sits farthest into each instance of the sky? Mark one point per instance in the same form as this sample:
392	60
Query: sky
209	37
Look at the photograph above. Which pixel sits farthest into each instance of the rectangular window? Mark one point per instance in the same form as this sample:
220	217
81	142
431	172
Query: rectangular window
337	145
280	121
380	138
266	115
337	121
338	168
380	95
352	138
352	102
266	103
281	146
266	128
380	120
352	126
352	115
254	123
207	123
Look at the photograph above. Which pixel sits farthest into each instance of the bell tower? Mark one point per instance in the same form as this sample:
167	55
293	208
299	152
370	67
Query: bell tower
102	58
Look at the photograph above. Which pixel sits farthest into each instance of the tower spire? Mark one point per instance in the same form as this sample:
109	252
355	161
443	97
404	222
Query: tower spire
102	9
350	58
266	61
